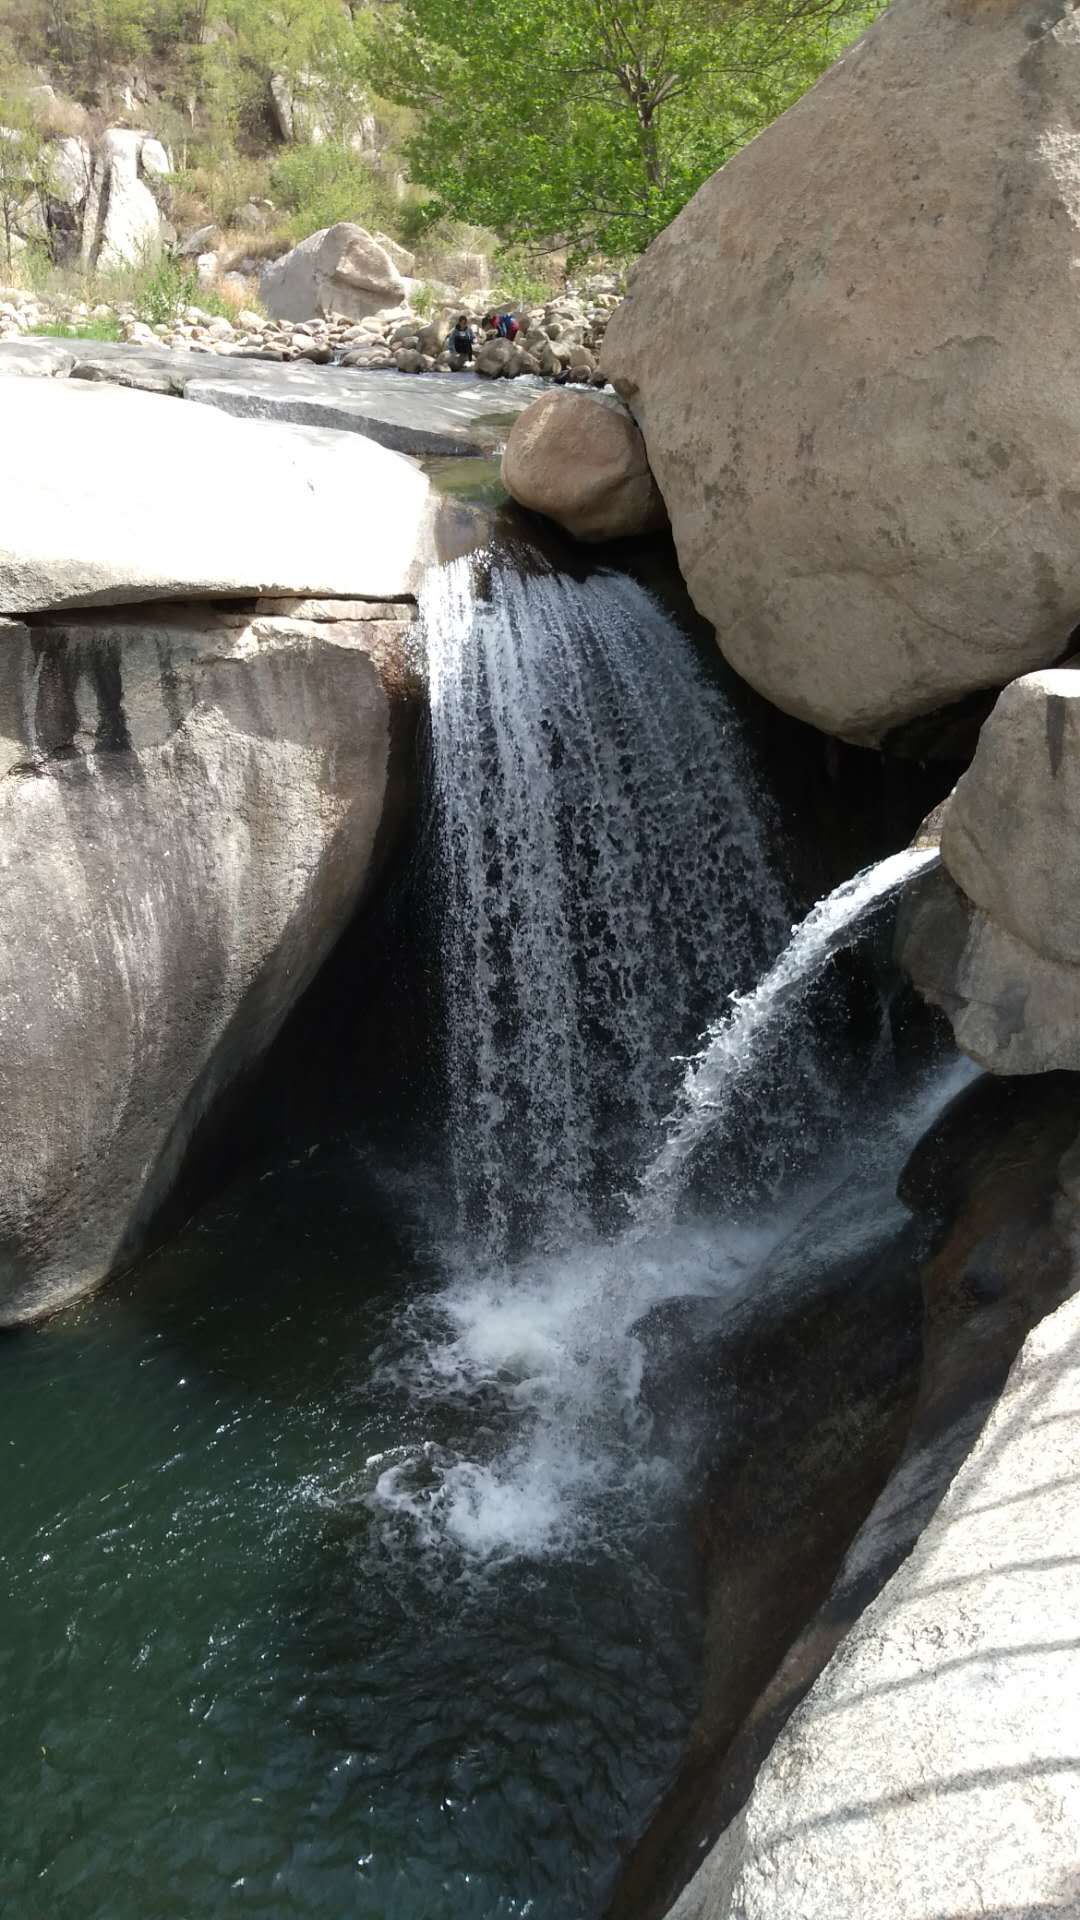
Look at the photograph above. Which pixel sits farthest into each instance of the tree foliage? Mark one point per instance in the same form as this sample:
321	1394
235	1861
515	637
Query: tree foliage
23	169
589	123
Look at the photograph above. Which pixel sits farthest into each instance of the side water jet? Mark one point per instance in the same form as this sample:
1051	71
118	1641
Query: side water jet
735	1043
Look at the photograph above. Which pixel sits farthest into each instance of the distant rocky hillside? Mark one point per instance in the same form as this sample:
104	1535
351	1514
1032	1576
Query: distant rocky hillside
221	133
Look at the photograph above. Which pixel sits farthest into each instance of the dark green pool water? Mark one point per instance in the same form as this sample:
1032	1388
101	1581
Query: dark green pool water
229	1683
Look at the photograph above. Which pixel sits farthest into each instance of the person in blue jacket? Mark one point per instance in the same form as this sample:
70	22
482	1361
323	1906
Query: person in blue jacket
460	339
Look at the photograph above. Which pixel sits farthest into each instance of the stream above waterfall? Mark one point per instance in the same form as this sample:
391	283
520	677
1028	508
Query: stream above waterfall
348	1567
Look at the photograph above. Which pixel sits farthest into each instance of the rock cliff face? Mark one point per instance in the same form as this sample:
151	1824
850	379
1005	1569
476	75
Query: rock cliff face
931	1770
852	357
122	222
190	804
993	936
194	796
101	204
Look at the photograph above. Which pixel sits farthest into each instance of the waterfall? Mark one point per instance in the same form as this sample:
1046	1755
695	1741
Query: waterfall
735	1044
607	883
606	868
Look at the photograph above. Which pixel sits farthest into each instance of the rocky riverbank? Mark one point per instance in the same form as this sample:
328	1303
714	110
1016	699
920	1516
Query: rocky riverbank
563	338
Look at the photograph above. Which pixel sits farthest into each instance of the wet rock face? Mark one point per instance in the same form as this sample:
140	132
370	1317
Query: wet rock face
906	1782
191	805
853	361
994	936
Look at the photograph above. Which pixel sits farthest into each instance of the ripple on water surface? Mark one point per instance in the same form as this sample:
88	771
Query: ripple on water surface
232	1678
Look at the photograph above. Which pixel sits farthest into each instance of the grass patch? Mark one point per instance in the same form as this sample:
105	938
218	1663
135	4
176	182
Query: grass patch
107	327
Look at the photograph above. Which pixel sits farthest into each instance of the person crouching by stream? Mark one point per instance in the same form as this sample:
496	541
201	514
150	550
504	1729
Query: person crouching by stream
460	339
502	326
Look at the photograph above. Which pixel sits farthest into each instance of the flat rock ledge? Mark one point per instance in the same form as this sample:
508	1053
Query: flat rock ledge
933	1772
109	495
426	415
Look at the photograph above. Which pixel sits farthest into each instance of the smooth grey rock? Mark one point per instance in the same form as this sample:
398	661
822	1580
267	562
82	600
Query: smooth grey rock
123	224
340	269
424	414
70	170
868	448
203	240
1011	1008
188	818
109	496
580	459
495	359
1011	832
37	359
404	261
994	939
145	368
933	1772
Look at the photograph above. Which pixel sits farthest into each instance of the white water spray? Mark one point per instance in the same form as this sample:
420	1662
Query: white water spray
734	1043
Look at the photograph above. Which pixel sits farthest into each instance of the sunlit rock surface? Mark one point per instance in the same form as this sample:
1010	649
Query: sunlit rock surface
853	359
580	459
108	495
933	1769
994	936
192	805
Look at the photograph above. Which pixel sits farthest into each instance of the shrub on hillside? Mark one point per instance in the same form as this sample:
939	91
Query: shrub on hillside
318	186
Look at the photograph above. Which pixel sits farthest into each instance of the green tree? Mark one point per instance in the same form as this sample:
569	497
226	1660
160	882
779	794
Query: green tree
23	170
80	39
587	124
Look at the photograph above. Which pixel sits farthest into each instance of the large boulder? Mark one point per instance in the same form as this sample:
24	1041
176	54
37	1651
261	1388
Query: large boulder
853	359
189	811
579	458
340	270
993	937
498	360
110	495
192	795
932	1770
123	225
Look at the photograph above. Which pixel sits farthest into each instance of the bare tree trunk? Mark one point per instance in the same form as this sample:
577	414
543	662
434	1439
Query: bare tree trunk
650	147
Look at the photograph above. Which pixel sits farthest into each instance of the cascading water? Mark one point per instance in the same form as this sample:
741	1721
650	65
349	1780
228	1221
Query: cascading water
606	871
609	876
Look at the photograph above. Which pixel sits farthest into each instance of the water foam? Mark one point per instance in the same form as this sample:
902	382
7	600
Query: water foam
552	1347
